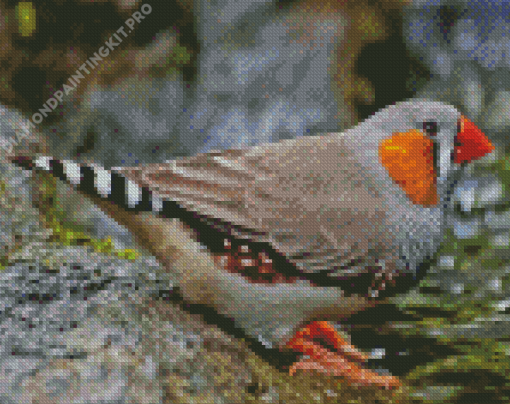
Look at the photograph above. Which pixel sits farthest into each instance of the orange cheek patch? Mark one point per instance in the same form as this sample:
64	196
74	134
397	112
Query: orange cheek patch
409	159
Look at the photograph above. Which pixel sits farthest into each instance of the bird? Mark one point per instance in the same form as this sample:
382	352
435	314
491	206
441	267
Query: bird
299	233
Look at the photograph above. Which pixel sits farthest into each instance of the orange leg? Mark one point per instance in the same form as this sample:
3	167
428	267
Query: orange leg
344	362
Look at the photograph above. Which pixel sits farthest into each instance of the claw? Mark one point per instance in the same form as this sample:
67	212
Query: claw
335	363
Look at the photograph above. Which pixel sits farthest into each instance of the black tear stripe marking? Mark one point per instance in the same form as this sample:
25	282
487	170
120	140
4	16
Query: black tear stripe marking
211	232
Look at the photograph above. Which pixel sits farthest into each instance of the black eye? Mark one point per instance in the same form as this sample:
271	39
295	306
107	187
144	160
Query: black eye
430	128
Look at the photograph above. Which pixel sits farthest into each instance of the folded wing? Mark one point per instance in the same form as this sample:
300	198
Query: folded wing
310	198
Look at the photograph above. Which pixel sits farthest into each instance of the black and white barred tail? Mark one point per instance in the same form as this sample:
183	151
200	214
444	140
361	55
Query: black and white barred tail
96	181
109	185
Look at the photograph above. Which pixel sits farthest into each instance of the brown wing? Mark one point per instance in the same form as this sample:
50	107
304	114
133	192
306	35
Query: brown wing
309	197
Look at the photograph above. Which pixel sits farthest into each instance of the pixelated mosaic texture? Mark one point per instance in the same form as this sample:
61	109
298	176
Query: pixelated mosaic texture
132	340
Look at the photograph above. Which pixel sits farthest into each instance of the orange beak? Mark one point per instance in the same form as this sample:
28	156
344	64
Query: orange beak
472	143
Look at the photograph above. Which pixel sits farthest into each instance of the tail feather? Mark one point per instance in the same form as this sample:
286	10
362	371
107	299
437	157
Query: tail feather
96	182
108	188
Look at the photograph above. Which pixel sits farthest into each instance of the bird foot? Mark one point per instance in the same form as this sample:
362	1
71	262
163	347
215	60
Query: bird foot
344	361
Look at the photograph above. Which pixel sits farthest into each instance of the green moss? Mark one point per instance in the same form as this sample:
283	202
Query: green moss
70	234
70	237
